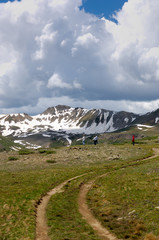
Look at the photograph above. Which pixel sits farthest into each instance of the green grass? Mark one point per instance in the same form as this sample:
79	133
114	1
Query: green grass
126	200
64	219
23	182
19	193
150	138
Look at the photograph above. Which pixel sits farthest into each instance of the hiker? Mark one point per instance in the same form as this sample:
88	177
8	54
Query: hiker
133	140
95	139
83	140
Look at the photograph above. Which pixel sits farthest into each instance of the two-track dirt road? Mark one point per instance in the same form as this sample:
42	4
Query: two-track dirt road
41	221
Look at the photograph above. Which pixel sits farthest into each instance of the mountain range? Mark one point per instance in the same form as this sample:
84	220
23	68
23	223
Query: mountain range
65	120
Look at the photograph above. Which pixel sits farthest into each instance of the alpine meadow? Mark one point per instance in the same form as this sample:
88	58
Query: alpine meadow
79	119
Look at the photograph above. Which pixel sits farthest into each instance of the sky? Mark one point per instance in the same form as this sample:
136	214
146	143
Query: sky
91	54
102	8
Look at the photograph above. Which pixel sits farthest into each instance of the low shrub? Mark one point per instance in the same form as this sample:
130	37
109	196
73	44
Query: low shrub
12	158
47	151
25	152
50	152
51	161
42	150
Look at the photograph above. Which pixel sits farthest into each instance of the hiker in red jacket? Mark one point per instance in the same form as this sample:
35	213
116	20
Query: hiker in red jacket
133	139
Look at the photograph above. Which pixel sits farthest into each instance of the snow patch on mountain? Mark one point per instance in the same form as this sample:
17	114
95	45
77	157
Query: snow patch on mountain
64	119
157	120
143	127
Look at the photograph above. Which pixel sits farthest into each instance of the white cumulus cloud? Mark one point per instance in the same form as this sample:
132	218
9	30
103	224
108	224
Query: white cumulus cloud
56	82
50	49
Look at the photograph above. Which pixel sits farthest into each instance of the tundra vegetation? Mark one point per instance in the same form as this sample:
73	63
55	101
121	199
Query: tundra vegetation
125	199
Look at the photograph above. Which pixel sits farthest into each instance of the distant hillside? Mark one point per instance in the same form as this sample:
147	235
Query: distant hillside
65	118
60	121
151	118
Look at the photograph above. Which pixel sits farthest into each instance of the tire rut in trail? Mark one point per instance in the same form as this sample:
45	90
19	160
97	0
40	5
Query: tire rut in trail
102	232
41	220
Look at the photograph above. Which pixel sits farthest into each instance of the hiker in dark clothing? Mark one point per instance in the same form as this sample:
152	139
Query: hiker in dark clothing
95	139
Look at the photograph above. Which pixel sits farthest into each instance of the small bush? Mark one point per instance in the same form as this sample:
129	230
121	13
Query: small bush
47	151
25	152
11	158
42	150
51	161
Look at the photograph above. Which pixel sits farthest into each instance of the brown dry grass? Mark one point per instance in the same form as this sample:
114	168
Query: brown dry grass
151	237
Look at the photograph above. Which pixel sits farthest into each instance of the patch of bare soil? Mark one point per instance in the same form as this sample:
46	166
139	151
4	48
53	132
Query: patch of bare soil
156	152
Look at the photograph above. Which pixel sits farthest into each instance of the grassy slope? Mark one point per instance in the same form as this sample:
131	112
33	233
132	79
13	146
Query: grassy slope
64	219
127	200
6	143
19	193
24	181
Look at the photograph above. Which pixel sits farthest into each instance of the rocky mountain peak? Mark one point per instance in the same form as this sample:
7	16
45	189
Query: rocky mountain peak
50	110
72	120
20	117
61	108
54	110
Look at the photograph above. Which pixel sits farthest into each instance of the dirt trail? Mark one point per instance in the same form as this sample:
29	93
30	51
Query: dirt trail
102	232
41	221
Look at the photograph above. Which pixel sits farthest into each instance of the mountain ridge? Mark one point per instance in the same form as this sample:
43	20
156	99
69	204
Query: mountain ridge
72	120
61	123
